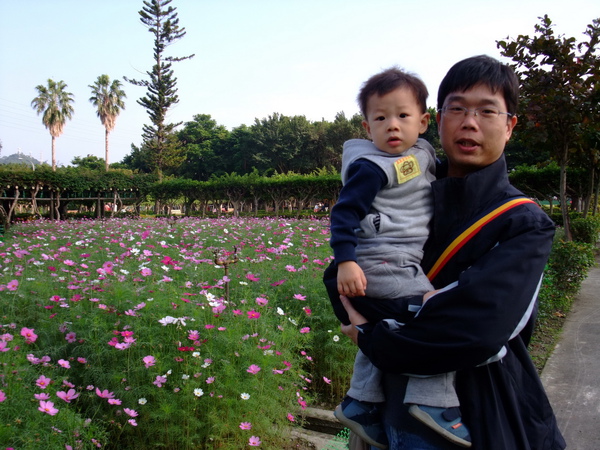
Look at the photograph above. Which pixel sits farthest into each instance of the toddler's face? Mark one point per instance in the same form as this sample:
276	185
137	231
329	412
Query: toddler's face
394	120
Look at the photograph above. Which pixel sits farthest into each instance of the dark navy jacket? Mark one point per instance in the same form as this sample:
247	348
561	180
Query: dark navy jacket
489	310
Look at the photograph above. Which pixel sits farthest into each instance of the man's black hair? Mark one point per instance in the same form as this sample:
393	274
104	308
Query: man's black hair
485	70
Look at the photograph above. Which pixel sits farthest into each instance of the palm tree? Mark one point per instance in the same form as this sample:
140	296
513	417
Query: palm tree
108	99
56	104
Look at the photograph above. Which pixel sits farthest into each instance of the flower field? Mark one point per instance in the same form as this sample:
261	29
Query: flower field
155	333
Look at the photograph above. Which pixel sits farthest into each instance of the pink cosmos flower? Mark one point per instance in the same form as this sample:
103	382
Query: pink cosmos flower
146	272
104	393
64	364
291	418
253	369
149	361
252	277
48	408
132	422
3	346
193	335
2	396
114	401
253	314
12	285
254	441
245	426
29	335
130	412
160	380
43	382
81	360
70	337
42	396
290	268
305	330
261	301
326	380
67	396
300	297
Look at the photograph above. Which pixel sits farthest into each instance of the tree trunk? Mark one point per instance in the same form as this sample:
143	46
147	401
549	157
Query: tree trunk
53	153
106	149
564	207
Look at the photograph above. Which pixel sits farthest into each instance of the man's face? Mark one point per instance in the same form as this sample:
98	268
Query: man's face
473	142
394	120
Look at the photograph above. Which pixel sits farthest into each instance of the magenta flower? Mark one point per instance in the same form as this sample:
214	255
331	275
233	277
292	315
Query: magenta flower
2	396
252	277
245	426
254	441
146	272
43	382
70	337
67	396
149	361
291	417
48	408
104	393
253	369
253	314
114	401
326	380
12	285
300	297
29	335
305	330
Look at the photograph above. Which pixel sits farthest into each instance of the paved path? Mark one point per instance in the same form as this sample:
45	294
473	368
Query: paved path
572	374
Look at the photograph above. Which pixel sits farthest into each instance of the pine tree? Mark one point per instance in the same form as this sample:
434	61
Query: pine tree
159	145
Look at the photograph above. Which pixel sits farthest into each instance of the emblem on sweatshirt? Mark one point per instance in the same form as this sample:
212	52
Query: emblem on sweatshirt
407	168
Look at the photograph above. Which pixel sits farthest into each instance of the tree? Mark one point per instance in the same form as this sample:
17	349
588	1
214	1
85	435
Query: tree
108	98
56	104
89	162
559	92
201	140
162	21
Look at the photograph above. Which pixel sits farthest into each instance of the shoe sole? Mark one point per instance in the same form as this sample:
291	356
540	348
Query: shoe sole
356	428
425	418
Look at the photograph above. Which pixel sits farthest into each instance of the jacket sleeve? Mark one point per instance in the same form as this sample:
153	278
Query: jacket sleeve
365	180
473	319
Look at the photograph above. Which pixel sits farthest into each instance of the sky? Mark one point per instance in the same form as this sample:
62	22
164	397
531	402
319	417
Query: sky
252	58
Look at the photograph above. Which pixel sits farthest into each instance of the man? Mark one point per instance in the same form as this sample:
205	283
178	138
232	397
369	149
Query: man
479	321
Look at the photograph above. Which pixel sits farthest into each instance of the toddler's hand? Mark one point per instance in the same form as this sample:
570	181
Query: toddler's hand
351	280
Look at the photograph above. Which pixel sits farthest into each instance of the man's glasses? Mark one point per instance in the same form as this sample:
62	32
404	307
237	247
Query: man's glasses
484	112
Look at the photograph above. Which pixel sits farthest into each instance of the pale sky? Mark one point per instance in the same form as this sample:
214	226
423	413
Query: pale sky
253	58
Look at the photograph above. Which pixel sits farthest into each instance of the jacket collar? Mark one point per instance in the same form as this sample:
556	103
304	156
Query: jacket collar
460	199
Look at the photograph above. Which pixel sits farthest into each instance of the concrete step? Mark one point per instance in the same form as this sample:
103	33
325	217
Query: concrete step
321	429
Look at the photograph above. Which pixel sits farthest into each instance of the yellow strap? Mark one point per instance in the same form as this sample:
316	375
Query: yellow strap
466	235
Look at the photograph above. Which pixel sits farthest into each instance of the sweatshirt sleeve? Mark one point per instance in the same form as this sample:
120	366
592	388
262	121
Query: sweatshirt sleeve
472	320
365	180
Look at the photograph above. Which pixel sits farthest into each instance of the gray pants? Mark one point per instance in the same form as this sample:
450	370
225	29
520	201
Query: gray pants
391	274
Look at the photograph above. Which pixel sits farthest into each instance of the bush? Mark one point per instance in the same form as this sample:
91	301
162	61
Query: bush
586	230
567	267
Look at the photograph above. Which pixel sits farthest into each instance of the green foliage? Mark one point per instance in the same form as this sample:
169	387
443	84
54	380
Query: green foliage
567	268
586	230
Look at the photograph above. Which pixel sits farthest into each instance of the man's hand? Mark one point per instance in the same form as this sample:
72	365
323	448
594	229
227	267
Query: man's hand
356	318
351	280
